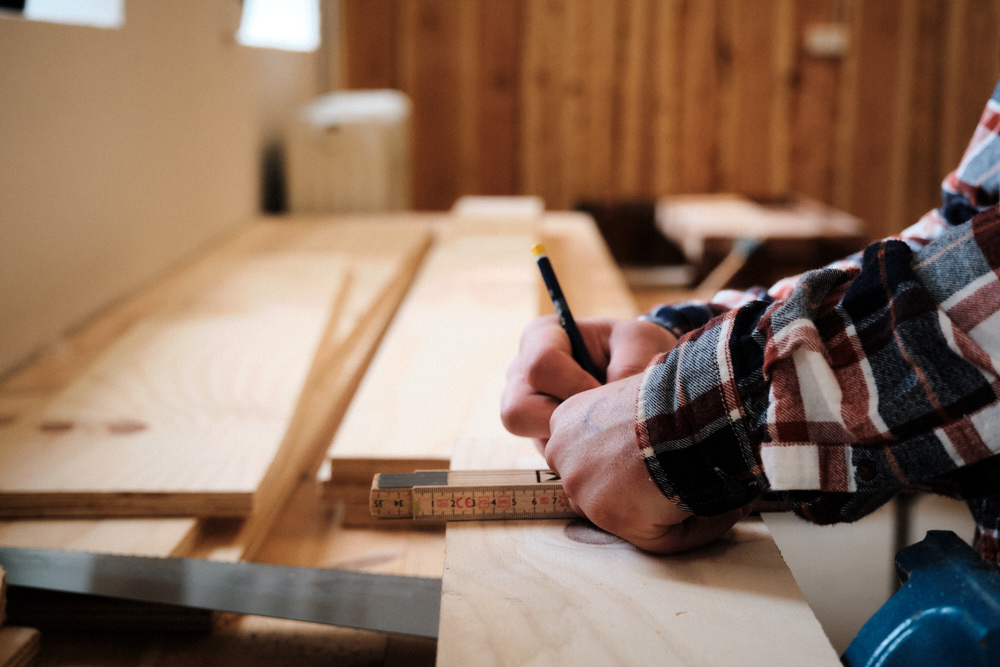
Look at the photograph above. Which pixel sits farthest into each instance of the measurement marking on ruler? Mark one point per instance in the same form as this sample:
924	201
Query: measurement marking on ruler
470	495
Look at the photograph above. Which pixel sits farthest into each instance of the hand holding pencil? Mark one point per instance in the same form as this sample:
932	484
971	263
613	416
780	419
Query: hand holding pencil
554	363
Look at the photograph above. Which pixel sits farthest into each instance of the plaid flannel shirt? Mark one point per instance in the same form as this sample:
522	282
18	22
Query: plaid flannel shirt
838	388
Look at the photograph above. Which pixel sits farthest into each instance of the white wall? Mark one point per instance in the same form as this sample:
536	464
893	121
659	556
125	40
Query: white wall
122	151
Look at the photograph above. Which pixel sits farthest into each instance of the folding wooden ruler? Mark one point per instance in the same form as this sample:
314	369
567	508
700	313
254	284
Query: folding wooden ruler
469	495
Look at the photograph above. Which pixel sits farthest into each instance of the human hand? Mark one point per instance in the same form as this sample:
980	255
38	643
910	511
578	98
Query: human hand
544	373
593	448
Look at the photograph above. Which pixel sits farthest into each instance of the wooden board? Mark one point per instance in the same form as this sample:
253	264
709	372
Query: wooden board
443	363
379	248
457	329
182	415
563	592
19	646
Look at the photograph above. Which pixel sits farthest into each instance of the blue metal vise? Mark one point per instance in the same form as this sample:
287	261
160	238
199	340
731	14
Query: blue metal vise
947	612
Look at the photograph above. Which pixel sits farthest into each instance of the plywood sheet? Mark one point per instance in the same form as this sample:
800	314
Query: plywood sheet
563	592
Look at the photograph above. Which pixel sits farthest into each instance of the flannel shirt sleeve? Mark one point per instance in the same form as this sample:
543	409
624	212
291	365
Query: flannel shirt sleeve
839	387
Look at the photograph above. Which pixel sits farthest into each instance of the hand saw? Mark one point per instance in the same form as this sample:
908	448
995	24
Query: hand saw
386	603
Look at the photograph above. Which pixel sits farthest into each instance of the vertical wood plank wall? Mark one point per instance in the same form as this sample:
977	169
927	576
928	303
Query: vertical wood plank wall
610	100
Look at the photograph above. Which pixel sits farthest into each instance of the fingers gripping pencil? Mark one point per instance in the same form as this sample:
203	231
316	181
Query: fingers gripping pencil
566	320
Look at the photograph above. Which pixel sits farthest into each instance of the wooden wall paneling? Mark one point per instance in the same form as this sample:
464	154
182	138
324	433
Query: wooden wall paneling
972	68
468	61
814	104
637	94
499	29
369	42
924	171
544	83
601	73
869	147
754	125
701	100
577	117
666	97
434	76
898	184
847	109
783	52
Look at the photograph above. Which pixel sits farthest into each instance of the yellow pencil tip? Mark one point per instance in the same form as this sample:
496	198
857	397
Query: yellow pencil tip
538	250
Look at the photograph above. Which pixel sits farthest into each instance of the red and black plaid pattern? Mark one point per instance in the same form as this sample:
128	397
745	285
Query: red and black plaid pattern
839	387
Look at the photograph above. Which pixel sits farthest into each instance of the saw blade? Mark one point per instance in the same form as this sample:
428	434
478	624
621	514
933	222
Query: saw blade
381	602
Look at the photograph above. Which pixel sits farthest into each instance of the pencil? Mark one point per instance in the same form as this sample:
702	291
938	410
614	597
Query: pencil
566	320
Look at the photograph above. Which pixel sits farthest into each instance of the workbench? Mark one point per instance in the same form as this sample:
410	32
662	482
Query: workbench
405	326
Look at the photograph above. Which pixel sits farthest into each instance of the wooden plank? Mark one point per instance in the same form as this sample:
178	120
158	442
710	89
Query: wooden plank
455	333
563	592
19	646
183	414
135	537
411	406
378	246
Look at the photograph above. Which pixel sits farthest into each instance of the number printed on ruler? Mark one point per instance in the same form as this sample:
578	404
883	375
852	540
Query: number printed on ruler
477	503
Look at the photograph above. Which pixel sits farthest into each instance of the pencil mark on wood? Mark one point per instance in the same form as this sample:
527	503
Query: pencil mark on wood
56	425
126	426
584	532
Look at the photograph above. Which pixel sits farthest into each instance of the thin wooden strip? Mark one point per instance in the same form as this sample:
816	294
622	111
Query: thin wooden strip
331	384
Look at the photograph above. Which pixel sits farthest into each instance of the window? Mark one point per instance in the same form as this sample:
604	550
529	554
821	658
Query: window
94	13
292	25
